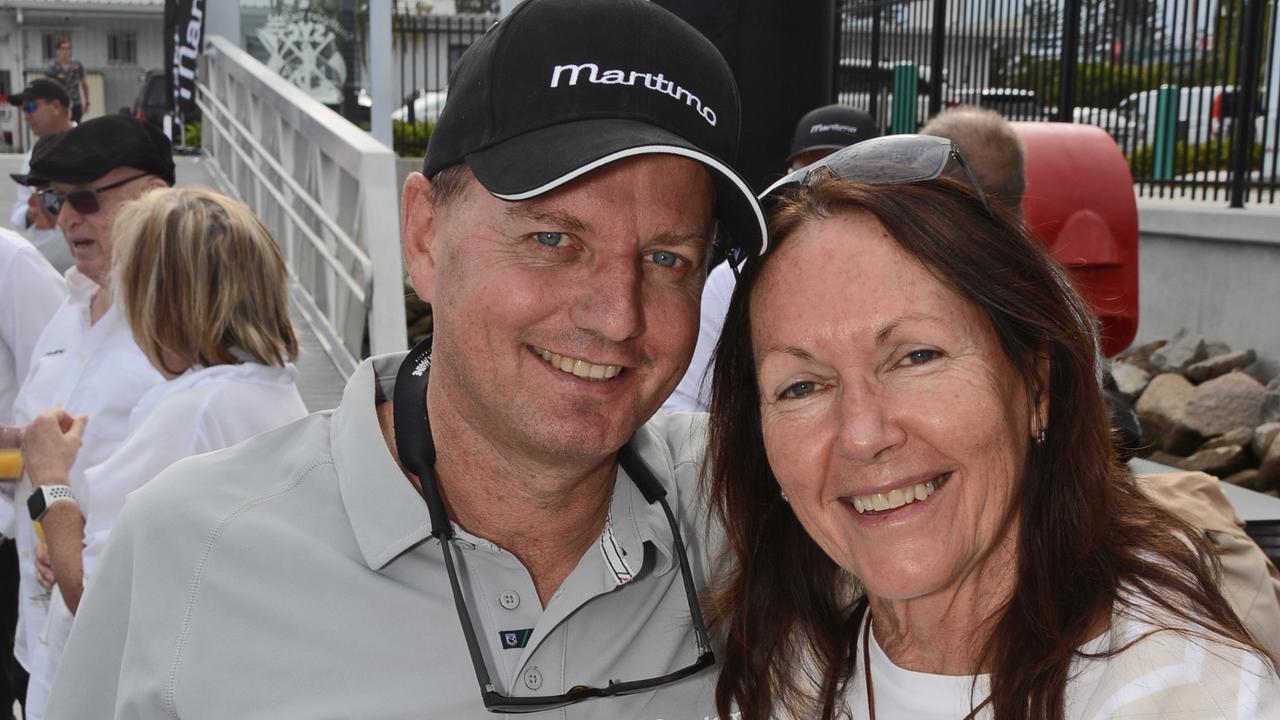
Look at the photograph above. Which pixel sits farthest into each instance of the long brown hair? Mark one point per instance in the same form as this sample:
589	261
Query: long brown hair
1090	541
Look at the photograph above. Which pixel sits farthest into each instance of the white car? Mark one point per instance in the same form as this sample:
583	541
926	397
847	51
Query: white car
426	106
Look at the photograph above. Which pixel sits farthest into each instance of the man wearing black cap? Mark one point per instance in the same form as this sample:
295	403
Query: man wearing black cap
493	524
46	108
85	360
824	130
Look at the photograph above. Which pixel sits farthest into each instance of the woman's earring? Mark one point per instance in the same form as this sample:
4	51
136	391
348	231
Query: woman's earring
1039	438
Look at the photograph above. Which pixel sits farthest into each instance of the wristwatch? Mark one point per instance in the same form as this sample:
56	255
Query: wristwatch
45	496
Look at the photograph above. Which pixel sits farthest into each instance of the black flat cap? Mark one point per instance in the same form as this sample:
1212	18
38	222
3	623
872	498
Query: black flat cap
95	147
41	147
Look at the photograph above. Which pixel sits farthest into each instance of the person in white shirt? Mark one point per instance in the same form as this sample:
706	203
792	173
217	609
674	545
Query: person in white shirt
86	360
908	435
30	292
205	290
47	111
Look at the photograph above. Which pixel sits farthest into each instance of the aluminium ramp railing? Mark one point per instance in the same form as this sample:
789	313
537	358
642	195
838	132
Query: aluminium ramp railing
325	189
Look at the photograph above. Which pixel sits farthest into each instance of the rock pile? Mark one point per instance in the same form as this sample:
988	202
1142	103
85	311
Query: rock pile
1201	409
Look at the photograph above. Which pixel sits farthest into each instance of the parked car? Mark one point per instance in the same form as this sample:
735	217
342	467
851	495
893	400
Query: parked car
1205	113
426	106
1011	103
151	103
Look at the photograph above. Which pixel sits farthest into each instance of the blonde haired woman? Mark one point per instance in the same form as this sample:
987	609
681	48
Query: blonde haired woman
205	290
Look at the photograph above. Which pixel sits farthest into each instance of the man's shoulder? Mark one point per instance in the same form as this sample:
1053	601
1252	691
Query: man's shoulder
208	489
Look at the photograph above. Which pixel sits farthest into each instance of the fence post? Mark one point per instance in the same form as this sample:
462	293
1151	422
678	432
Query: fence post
1069	65
938	59
1246	96
1166	132
905	82
874	89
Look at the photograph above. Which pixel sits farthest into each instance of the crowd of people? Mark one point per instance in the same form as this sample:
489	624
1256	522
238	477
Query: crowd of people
885	480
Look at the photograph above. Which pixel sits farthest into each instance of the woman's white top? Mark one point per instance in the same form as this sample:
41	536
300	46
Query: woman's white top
203	410
1164	675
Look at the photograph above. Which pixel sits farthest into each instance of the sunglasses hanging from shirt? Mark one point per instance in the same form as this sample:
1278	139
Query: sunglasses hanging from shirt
417	452
82	200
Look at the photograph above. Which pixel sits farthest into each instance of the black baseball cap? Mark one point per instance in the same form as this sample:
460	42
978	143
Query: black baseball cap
41	89
831	127
41	147
559	88
95	147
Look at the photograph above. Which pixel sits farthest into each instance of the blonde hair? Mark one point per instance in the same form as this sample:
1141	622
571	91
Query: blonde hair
199	275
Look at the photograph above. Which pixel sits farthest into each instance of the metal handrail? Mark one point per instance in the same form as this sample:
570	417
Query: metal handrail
347	268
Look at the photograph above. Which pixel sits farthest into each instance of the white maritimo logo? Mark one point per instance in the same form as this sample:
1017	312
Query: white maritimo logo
657	83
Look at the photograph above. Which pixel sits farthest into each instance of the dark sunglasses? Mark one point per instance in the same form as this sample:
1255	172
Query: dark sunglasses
417	452
83	200
888	160
29	106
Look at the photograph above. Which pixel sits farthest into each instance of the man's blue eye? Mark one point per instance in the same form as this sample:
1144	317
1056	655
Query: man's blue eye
664	258
550	239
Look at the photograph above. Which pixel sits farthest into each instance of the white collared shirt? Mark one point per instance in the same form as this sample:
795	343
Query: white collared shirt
30	293
202	410
89	369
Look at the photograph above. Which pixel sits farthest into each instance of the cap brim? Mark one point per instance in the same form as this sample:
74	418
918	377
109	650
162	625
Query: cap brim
28	180
540	161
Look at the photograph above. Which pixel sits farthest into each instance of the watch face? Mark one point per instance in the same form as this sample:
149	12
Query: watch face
35	504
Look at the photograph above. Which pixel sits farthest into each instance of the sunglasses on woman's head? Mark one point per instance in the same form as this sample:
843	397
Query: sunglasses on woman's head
888	160
82	200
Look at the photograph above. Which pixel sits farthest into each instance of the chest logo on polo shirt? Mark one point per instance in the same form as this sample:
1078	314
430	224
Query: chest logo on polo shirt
514	639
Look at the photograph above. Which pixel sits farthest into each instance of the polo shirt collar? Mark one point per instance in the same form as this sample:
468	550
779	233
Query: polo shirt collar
388	516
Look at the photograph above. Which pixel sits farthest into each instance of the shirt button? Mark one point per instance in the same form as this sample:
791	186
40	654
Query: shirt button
509	600
532	678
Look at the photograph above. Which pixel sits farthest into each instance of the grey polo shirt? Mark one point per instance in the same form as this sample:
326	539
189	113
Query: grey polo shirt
293	576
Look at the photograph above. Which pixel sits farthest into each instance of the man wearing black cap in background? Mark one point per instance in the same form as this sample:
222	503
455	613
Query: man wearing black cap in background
86	359
523	549
819	133
47	110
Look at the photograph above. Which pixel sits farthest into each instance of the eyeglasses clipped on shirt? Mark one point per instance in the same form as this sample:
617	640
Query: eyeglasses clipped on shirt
82	200
418	455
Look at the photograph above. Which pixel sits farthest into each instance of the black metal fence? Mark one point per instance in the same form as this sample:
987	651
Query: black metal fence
426	47
1163	77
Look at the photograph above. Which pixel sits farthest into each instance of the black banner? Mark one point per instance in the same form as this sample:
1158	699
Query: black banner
184	37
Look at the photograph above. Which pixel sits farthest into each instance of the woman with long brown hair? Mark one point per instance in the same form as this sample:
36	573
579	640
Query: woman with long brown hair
911	456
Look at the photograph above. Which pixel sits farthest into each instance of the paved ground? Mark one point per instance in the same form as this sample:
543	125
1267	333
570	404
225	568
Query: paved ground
319	380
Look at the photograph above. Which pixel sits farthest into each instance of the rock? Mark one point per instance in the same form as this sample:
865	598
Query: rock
1271	405
1220	461
1262	437
1224	404
1164	458
1140	355
1244	478
1218	365
1162	413
1241	436
1274	384
1130	379
1216	347
1183	349
1269	468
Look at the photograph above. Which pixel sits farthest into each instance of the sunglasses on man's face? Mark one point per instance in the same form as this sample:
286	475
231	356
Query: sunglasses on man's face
29	106
82	200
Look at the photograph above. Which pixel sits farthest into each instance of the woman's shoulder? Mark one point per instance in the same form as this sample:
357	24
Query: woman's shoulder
1170	671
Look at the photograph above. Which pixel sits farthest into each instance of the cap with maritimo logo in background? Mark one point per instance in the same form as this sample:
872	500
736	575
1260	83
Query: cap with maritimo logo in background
831	127
559	88
41	89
